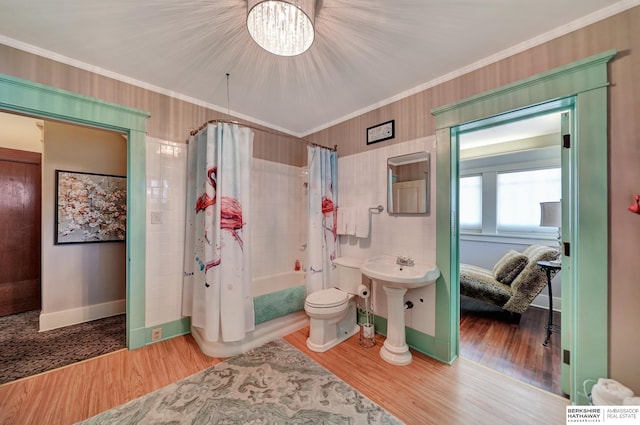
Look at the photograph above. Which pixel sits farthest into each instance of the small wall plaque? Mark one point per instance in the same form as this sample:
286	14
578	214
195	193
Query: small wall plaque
381	132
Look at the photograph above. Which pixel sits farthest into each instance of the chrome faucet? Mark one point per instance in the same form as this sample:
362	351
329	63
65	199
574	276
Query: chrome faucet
404	261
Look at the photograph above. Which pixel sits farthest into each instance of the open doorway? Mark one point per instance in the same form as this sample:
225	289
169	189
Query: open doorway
582	86
37	100
505	172
68	302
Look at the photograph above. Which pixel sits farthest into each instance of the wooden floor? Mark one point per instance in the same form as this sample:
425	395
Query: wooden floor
82	390
424	392
488	337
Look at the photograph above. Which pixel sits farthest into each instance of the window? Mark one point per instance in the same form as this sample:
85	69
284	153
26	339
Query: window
506	202
471	203
519	195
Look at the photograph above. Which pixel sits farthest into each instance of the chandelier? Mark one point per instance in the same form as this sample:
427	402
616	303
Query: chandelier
282	27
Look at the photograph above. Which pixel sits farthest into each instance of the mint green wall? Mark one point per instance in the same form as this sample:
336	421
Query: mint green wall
21	96
586	270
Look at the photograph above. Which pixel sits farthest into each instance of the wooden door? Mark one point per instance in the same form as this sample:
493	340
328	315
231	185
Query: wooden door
19	231
410	196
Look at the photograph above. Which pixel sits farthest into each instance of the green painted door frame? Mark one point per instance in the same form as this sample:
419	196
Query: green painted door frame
25	97
587	268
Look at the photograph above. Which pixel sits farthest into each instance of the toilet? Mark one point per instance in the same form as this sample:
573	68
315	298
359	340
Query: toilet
332	311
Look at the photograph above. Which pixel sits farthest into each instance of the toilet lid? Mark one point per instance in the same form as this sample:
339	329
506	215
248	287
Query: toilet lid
326	298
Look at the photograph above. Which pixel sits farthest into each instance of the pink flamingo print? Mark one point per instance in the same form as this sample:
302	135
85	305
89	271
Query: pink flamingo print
230	213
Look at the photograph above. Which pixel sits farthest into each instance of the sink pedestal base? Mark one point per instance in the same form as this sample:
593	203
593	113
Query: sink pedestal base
395	349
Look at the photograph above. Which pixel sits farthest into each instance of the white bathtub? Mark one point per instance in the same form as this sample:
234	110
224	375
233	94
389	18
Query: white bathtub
274	316
277	282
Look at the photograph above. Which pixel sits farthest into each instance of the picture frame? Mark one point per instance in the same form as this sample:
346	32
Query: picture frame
381	132
90	207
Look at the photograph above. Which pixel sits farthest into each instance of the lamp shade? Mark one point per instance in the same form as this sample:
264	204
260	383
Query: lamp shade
551	214
282	27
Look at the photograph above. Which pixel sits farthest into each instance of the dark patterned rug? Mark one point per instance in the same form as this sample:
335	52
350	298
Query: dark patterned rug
272	384
25	352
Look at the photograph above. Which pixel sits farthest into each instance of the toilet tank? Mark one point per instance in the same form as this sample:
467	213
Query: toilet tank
346	274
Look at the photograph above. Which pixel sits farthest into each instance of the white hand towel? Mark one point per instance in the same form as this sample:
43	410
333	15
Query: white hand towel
609	392
341	225
351	221
363	222
631	401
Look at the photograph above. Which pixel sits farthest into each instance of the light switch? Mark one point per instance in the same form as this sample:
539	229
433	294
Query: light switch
156	217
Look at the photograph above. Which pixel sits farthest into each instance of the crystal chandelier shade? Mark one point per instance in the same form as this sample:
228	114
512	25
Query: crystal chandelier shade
282	27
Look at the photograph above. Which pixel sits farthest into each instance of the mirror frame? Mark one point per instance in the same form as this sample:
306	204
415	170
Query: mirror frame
411	158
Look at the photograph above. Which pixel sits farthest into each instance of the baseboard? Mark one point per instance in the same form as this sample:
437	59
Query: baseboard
167	331
542	301
74	316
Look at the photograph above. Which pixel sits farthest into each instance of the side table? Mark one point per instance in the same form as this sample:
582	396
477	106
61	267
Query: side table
550	269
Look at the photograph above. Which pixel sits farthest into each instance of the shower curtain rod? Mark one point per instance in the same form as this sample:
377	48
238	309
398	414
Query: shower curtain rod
194	132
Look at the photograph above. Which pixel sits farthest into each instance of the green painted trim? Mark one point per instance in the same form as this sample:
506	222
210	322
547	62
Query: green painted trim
169	330
590	251
587	80
447	289
380	324
25	97
136	232
136	337
578	77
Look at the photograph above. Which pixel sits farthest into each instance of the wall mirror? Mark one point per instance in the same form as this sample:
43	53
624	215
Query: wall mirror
408	184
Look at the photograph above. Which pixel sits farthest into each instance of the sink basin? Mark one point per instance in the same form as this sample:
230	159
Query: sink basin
384	268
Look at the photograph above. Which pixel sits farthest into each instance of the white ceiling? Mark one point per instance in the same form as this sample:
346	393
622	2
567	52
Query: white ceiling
366	52
516	130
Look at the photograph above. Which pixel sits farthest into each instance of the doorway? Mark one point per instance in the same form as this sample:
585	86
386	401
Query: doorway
583	84
83	315
19	231
507	169
28	98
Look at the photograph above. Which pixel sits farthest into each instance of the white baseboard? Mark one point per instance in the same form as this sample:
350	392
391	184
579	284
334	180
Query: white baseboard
60	319
542	301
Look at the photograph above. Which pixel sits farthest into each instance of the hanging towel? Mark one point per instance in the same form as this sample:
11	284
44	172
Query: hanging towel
351	221
341	225
608	392
363	222
631	401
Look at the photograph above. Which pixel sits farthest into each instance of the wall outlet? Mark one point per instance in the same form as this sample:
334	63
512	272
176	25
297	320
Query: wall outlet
156	334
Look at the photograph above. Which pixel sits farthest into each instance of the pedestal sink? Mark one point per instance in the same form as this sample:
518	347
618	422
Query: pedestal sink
396	279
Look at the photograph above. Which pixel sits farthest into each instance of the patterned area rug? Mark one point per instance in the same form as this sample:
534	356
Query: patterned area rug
25	352
272	384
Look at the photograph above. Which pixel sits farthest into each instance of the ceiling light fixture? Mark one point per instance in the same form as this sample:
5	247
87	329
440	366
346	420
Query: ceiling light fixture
282	27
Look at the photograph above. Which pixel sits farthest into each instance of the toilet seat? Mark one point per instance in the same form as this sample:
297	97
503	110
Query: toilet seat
327	298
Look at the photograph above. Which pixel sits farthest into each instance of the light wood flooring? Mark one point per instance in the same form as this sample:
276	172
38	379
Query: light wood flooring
488	337
424	392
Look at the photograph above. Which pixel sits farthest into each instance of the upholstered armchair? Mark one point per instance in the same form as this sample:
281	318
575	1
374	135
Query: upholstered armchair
514	281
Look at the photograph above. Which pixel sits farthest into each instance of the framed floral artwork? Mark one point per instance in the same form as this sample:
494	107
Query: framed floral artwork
90	207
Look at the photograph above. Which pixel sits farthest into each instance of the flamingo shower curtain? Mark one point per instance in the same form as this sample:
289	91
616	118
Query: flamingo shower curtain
322	246
217	265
